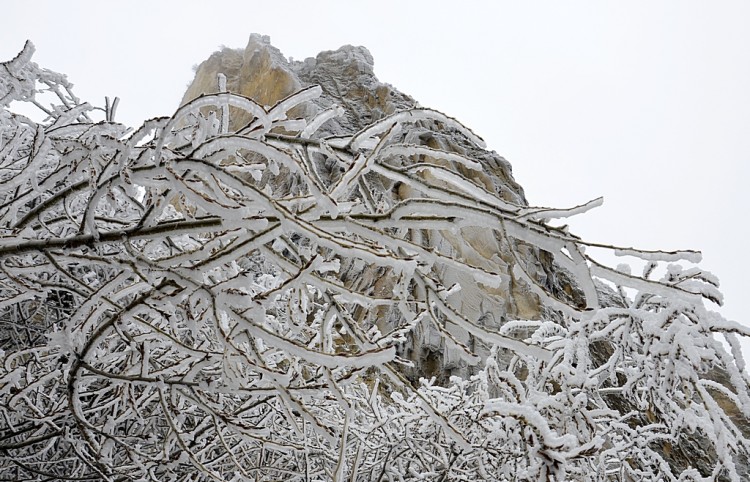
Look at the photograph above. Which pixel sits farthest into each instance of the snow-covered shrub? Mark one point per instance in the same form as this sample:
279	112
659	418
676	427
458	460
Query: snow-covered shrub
171	308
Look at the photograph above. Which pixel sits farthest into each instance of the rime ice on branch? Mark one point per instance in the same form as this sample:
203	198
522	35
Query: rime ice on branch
185	301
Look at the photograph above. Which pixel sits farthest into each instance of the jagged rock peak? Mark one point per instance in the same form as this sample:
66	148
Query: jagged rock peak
261	72
347	79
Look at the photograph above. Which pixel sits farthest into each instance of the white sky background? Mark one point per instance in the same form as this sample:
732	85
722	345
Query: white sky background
645	103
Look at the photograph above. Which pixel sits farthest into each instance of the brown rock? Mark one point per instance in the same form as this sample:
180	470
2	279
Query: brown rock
347	79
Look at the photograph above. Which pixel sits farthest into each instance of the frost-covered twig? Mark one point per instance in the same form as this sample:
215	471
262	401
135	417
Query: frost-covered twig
186	301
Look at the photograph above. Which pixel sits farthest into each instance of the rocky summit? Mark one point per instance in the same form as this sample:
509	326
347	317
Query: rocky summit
346	76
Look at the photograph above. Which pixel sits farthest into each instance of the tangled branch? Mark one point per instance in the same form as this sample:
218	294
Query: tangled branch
181	302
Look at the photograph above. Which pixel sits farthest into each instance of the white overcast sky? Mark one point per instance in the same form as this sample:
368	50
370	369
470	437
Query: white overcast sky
646	103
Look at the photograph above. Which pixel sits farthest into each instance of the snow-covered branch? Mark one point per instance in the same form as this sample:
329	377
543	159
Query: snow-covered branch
186	302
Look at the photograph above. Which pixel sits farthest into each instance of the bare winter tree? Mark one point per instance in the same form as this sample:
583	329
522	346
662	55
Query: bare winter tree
172	308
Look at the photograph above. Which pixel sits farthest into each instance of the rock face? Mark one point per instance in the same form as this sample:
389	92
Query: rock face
347	79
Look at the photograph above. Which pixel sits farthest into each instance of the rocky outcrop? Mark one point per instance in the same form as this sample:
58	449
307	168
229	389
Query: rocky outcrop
347	79
262	73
